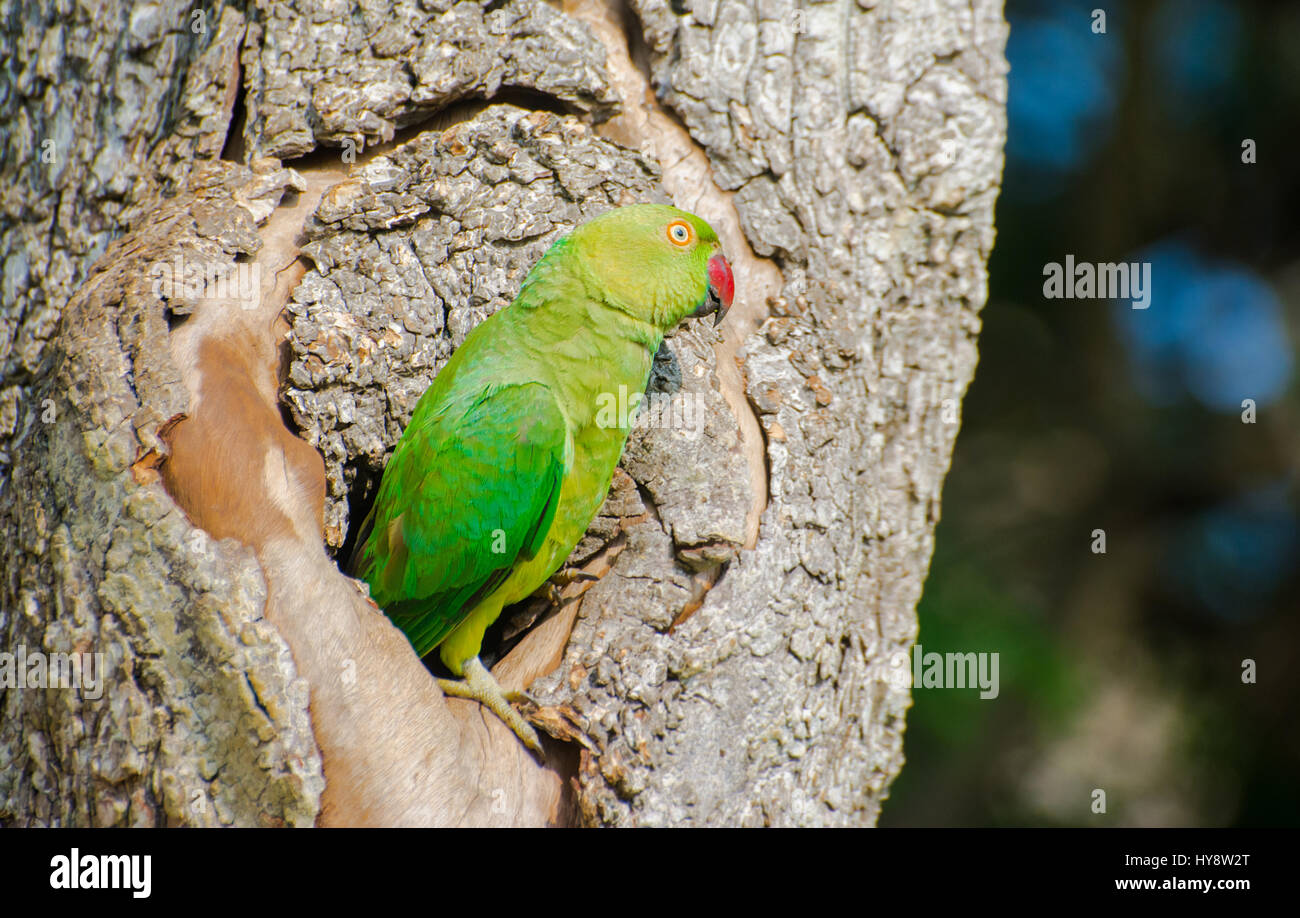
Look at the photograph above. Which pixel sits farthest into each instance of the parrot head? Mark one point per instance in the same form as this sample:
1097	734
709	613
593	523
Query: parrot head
657	263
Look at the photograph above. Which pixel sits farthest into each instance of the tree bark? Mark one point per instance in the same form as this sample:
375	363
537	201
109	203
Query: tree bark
183	464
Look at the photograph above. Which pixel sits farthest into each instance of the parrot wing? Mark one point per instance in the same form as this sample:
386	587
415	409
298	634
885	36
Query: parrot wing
468	493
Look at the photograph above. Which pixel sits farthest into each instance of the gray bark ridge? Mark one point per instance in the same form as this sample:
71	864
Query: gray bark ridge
199	717
101	106
326	76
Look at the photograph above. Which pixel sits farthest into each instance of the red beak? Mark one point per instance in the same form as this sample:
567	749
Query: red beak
722	287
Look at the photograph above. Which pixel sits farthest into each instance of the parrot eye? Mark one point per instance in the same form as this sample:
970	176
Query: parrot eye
679	232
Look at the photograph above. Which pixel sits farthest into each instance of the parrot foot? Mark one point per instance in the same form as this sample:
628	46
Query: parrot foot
479	686
572	575
551	589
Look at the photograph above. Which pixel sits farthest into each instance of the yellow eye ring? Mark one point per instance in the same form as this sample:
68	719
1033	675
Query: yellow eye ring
680	233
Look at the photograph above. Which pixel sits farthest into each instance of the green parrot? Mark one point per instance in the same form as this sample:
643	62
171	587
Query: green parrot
504	463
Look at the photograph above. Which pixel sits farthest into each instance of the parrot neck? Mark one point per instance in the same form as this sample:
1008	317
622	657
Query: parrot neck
586	346
622	346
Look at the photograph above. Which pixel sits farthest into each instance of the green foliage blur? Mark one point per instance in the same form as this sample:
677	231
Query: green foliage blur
1123	671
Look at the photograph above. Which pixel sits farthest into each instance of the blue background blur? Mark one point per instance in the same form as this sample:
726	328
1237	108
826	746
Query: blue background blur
1122	671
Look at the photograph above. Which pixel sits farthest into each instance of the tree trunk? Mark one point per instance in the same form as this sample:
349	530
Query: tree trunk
213	355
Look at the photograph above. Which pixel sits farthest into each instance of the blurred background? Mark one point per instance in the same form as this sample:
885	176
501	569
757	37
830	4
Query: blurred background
1123	671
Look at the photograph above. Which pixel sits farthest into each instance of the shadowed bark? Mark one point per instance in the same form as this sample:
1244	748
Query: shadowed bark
183	461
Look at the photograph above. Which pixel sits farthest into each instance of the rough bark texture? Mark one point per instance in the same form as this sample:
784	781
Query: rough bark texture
330	71
763	549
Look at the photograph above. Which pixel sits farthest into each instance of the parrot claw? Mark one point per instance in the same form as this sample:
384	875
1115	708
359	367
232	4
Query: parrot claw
478	685
554	586
519	698
572	575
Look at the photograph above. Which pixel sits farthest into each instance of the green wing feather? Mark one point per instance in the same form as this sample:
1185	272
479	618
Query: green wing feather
471	490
